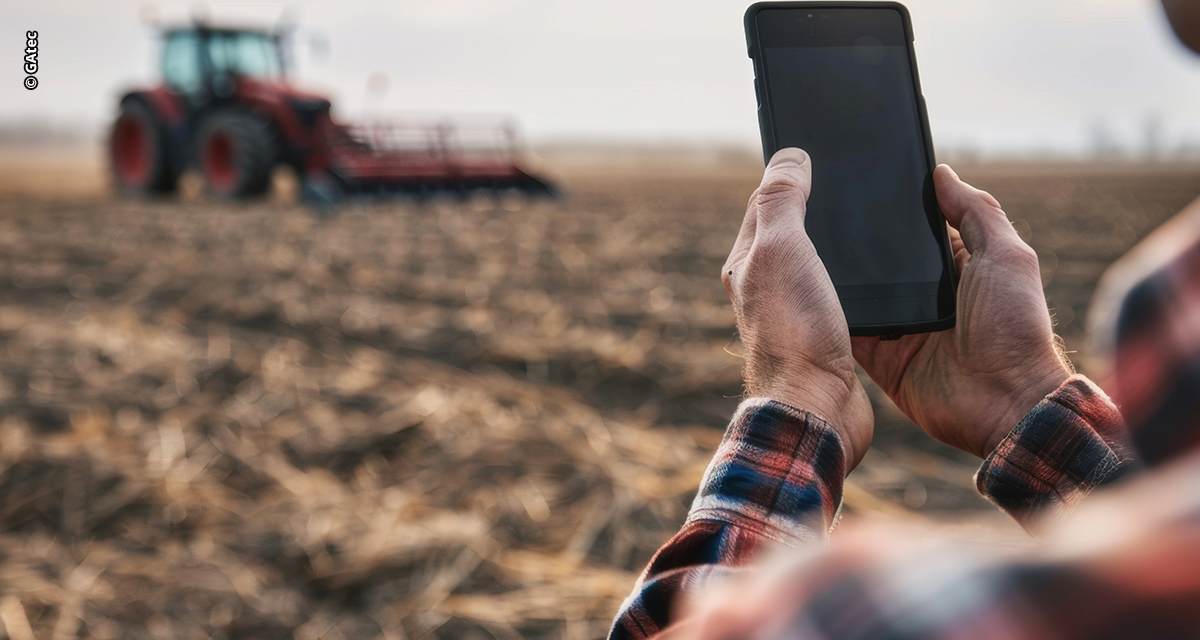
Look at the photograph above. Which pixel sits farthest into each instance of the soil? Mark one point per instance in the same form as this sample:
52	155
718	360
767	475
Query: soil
440	420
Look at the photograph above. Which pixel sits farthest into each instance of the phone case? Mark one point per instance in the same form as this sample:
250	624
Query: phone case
766	129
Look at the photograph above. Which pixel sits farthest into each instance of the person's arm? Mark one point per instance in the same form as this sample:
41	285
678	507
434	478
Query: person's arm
1126	566
776	478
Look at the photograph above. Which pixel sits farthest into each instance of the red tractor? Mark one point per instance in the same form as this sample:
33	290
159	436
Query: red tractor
226	110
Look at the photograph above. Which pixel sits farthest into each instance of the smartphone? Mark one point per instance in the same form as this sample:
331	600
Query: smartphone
839	80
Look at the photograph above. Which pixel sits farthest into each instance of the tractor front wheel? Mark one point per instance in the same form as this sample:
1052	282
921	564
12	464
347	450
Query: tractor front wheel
235	154
138	153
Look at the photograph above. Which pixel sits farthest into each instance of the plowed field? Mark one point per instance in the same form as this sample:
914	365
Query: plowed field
450	420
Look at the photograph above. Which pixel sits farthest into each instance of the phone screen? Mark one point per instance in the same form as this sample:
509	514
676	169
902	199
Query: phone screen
840	85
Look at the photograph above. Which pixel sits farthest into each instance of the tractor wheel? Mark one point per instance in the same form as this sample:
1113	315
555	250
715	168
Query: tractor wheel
138	153
235	151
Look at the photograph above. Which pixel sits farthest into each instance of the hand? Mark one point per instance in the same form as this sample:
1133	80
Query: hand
796	341
970	386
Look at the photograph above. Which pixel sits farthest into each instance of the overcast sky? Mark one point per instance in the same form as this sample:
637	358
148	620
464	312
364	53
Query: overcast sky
998	75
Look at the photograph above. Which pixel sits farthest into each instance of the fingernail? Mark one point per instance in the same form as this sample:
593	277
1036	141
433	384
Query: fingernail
788	155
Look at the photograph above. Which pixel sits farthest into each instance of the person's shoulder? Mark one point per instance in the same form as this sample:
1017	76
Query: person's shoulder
1145	322
1159	260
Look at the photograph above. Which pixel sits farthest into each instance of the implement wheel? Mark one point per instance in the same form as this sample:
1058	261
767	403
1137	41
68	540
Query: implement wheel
138	153
236	151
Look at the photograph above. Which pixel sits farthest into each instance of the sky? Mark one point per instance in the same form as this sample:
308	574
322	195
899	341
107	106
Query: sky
999	76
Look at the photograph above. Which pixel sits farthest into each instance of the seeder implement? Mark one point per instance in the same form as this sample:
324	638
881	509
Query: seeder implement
425	159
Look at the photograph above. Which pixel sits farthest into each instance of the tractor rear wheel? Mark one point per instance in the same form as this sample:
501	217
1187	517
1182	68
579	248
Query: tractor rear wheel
236	151
138	153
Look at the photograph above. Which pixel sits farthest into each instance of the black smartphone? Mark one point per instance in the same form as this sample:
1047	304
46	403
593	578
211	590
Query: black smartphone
839	80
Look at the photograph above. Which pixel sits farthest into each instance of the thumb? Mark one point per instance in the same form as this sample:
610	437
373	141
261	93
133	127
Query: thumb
974	213
786	184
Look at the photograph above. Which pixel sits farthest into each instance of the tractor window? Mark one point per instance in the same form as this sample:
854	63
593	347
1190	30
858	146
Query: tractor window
245	53
181	62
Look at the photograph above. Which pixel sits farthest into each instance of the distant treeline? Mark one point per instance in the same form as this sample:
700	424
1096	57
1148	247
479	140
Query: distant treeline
15	133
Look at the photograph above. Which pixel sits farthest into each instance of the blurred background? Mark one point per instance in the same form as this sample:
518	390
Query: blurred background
478	416
1073	78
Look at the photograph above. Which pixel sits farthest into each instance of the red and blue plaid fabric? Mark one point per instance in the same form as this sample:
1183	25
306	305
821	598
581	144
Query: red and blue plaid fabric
777	478
1071	443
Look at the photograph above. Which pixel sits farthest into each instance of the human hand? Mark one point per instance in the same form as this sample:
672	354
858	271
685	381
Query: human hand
969	386
797	344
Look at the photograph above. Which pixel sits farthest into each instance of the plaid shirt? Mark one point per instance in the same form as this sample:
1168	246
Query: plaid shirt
1125	565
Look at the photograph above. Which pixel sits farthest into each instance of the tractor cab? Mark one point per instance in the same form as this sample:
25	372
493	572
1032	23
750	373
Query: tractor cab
200	62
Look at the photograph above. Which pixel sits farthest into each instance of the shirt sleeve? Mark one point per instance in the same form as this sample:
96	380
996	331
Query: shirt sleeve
776	477
1073	441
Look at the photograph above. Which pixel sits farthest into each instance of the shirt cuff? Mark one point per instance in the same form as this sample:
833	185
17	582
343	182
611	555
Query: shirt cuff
778	472
1073	441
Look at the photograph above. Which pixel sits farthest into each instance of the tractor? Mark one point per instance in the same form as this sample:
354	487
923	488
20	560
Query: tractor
226	110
